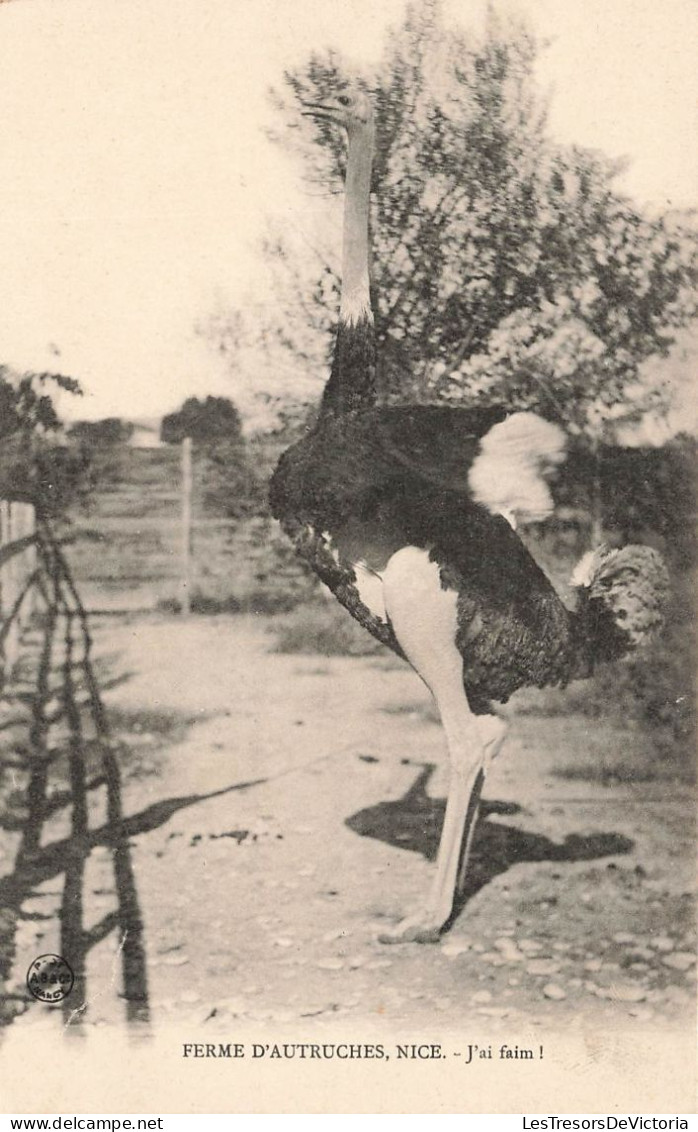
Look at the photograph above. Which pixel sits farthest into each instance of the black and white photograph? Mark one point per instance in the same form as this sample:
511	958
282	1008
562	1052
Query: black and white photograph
348	428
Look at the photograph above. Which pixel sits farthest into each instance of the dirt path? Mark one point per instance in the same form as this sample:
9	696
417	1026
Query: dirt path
294	805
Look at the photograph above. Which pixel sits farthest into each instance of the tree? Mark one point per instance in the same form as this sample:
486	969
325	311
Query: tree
230	482
206	422
34	466
506	267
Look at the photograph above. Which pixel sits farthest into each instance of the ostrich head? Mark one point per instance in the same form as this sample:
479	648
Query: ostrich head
631	585
348	106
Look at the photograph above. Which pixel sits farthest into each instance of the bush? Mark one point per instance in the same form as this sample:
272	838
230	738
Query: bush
98	434
258	601
322	627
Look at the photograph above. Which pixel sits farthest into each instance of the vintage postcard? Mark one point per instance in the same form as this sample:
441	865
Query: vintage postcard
347	531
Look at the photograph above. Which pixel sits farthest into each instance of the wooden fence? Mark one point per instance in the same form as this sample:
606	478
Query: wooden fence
58	755
147	541
17	570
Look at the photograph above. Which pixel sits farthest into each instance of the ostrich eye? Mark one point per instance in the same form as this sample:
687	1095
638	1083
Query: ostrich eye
344	99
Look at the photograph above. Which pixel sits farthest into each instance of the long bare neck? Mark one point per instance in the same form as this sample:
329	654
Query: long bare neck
356	299
352	383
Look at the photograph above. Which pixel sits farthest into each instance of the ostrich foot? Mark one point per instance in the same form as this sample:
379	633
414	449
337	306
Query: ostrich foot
420	927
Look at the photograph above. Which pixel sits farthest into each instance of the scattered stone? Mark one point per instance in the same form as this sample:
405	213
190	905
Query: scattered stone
330	964
555	992
284	941
561	946
662	943
593	965
679	960
481	996
642	953
627	993
508	949
575	984
378	964
174	960
190	996
491	957
454	948
443	1003
543	967
356	961
529	945
623	937
493	1011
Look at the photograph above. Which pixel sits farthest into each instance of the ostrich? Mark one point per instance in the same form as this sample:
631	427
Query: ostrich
408	515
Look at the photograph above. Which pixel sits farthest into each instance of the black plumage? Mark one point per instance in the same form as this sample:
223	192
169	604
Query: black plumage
365	484
370	483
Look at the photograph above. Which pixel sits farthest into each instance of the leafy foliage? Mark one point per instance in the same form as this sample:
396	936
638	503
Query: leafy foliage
34	467
232	485
206	421
25	406
506	267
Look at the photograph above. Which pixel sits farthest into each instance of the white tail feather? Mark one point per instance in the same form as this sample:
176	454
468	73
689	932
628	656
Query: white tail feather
583	573
507	474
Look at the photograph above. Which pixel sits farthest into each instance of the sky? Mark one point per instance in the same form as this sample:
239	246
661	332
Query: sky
137	180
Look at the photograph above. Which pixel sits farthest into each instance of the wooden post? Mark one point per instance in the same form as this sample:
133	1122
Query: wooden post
27	527
11	582
4	595
186	525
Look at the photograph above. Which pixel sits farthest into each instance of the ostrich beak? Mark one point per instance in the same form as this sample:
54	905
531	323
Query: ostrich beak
317	110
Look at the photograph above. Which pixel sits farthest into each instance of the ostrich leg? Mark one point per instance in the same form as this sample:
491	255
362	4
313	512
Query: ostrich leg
424	620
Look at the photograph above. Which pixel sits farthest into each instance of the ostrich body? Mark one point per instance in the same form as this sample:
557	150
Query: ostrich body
408	515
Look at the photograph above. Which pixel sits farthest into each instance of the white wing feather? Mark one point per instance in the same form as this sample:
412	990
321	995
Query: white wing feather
507	475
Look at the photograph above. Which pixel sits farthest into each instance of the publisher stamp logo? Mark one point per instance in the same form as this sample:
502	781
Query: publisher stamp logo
50	978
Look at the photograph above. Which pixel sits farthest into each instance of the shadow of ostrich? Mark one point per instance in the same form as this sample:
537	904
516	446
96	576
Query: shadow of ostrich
414	822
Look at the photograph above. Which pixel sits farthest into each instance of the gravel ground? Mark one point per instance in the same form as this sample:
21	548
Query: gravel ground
285	808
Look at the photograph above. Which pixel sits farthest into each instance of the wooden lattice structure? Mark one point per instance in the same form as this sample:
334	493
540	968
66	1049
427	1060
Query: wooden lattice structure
57	750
